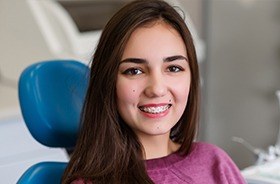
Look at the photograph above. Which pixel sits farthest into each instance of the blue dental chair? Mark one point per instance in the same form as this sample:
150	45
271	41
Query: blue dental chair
51	95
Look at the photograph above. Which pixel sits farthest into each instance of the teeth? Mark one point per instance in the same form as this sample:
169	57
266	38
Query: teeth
155	110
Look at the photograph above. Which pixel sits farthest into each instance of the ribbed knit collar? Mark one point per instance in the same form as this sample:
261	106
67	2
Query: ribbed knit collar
163	162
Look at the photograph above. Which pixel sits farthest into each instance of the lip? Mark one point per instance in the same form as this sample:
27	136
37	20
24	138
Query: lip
158	115
154	105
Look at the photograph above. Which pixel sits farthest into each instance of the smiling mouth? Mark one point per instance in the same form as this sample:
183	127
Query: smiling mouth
155	110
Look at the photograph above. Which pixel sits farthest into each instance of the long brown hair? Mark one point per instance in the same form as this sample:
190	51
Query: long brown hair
107	150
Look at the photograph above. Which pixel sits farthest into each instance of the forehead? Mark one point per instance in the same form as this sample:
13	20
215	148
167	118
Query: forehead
153	39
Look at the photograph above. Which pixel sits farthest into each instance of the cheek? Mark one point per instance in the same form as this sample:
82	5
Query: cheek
127	92
181	91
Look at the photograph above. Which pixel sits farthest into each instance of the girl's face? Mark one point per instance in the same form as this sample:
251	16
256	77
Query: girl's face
153	80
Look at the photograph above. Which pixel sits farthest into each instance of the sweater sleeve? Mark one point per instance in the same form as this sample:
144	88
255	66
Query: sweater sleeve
227	170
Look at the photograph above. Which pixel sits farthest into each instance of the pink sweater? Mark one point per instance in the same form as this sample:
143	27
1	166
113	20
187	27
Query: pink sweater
206	163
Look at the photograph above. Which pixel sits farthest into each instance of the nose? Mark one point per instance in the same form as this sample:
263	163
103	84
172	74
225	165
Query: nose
156	86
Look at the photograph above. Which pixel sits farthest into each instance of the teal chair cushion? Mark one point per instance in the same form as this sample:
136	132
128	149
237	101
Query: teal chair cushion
51	95
43	173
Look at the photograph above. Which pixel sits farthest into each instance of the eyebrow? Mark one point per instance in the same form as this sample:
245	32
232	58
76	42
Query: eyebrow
141	61
176	57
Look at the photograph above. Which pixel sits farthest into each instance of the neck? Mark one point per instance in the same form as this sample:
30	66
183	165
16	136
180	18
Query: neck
158	146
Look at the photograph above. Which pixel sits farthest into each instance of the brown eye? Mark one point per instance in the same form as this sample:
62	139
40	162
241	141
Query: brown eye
132	71
175	69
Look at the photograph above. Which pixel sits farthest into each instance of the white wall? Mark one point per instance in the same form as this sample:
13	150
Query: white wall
21	44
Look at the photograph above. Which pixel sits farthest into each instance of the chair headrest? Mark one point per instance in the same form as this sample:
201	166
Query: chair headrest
51	95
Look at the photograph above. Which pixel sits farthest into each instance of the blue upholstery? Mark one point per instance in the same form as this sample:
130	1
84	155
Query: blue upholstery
43	173
51	95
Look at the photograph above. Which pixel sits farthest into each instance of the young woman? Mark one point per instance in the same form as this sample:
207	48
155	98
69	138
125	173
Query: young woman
141	110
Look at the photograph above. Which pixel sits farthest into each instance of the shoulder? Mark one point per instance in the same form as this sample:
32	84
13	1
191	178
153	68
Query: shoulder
210	154
206	146
80	181
207	150
216	160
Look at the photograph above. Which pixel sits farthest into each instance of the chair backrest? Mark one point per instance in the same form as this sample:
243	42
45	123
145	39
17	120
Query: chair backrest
43	173
51	95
